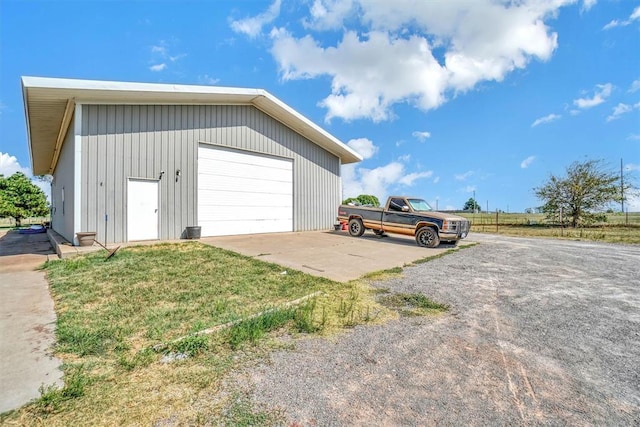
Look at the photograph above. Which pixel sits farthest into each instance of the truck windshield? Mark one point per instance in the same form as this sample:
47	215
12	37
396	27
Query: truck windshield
419	205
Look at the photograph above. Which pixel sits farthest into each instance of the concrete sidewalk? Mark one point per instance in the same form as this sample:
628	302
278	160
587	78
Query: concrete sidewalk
331	254
27	320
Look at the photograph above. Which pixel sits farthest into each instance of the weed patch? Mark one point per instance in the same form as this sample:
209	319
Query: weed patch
52	398
412	304
242	414
253	329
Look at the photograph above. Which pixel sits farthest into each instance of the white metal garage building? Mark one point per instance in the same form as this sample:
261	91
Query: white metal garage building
136	161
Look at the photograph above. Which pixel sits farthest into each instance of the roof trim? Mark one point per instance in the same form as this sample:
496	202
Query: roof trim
110	92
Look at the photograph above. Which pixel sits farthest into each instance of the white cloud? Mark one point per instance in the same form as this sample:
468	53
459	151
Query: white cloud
631	167
379	181
207	79
9	165
252	26
477	41
328	14
546	119
161	56
405	158
436	180
421	136
364	147
365	84
634	137
527	162
409	179
162	50
635	86
158	67
622	109
601	93
588	4
632	204
463	176
635	15
470	189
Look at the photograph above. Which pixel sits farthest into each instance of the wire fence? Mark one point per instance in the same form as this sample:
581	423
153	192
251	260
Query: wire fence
502	218
612	227
11	223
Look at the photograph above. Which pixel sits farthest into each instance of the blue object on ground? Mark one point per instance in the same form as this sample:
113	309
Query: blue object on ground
34	229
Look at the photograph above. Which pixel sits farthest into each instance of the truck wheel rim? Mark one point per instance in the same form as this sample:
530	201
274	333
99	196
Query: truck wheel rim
426	237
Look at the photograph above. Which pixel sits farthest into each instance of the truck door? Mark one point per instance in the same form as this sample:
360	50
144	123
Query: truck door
395	219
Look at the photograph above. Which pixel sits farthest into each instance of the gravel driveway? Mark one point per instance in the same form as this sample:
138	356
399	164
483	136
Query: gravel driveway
539	332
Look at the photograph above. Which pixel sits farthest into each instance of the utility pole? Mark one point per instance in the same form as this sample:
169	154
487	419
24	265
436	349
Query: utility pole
621	186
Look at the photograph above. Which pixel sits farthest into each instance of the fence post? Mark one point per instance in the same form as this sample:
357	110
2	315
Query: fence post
496	220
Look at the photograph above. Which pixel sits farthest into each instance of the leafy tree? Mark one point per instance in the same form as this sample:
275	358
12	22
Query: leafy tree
472	205
20	198
587	189
363	199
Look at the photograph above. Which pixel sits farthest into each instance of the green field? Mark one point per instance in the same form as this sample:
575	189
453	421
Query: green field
10	222
618	228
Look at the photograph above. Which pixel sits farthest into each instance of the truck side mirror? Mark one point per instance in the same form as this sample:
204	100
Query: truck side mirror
405	208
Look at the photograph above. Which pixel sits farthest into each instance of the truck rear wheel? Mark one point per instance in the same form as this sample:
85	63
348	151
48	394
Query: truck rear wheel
356	228
427	237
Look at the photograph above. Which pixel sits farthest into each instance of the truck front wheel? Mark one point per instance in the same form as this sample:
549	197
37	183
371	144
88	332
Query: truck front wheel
356	228
427	237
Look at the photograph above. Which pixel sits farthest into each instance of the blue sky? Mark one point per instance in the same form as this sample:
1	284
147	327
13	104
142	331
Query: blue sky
441	97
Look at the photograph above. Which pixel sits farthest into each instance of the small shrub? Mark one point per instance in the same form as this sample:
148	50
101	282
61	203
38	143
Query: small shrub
251	330
191	345
405	303
303	320
51	397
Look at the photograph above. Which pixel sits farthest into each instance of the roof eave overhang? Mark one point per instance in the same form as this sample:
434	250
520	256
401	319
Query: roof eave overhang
66	91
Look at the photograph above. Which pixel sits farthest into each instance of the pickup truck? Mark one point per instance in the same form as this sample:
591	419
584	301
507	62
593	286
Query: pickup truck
405	215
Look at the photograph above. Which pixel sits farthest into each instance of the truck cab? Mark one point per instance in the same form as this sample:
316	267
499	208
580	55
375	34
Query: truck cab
409	216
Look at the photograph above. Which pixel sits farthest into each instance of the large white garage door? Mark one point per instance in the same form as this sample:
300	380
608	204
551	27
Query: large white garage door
243	193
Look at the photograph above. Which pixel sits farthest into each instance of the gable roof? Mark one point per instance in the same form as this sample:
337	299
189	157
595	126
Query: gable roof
49	102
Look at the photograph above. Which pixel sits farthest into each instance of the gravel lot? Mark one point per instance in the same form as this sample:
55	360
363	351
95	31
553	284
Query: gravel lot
539	332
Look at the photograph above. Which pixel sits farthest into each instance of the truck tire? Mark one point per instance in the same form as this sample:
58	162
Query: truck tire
356	228
427	237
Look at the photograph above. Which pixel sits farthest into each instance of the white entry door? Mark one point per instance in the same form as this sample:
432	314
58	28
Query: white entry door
142	210
240	192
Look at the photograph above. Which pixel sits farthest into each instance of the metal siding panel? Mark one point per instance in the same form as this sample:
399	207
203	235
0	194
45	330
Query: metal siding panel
201	123
130	127
123	130
63	177
94	169
151	140
88	130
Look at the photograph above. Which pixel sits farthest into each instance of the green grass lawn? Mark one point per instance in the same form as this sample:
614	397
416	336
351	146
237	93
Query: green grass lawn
112	313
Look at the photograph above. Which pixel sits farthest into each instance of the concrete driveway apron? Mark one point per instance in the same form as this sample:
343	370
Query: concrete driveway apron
334	255
27	320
